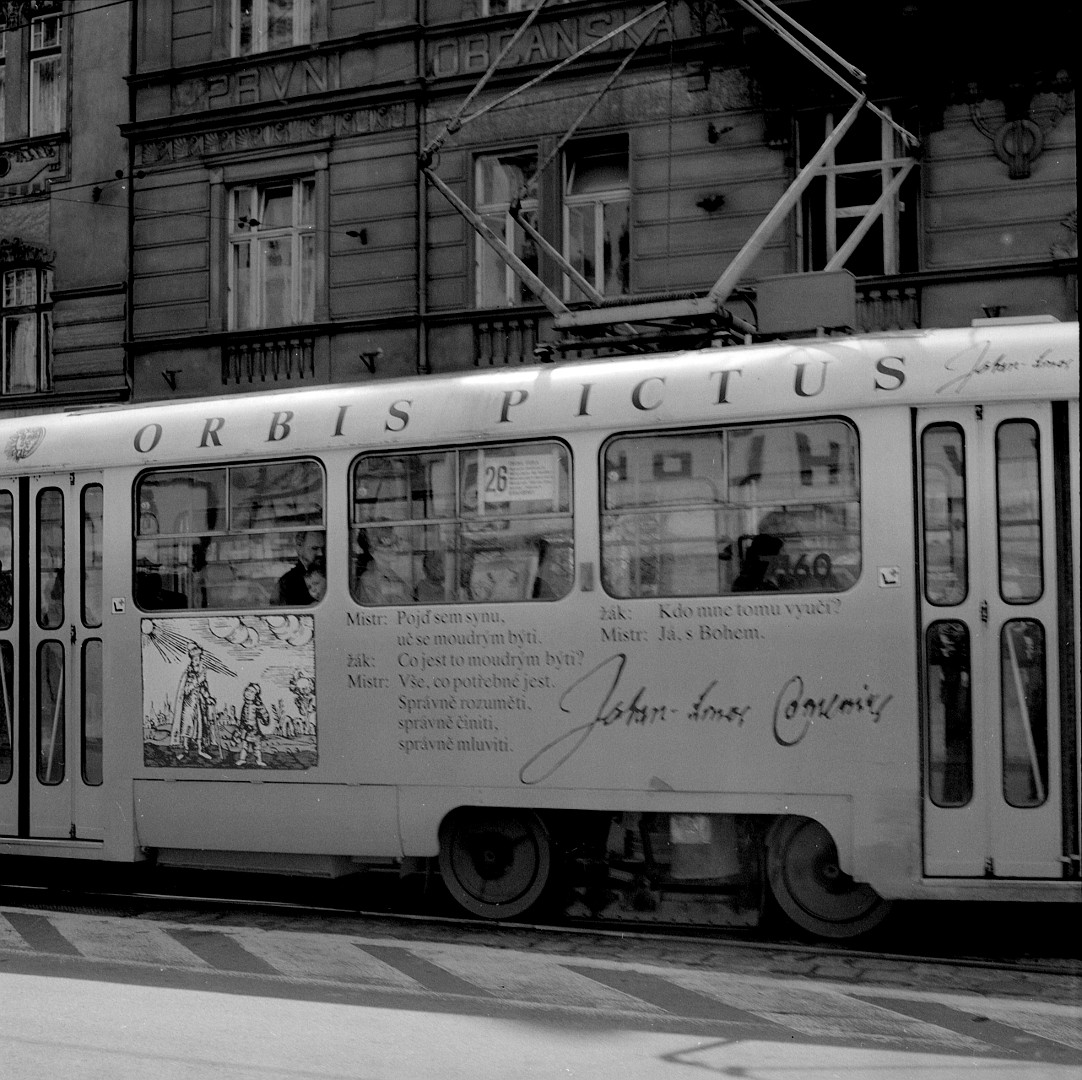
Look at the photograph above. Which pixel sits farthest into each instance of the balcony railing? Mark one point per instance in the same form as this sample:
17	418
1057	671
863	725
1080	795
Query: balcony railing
284	358
504	340
508	340
887	308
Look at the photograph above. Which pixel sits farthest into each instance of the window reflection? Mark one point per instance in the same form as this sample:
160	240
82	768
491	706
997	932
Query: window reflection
7	555
92	555
1018	512
50	721
486	525
50	558
7	715
1025	714
943	481
225	538
770	508
92	712
949	736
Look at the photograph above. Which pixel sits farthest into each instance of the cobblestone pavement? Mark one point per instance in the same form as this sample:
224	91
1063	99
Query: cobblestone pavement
985	1012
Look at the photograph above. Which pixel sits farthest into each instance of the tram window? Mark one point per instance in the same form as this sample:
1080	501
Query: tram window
7	705
226	537
92	555
1018	512
1025	713
91	727
767	508
948	708
7	548
50	558
460	526
943	480
50	726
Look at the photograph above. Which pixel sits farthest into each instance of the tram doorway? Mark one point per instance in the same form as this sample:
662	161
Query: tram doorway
51	658
993	774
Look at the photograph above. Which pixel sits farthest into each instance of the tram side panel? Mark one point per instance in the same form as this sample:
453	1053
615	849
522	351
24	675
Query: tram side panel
648	684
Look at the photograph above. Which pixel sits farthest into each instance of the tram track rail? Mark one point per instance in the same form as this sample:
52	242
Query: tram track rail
562	936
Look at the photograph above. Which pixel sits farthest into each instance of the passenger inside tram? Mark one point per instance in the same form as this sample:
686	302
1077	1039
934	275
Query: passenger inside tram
759	566
305	582
382	568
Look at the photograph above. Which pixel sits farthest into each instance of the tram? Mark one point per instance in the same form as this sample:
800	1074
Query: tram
673	636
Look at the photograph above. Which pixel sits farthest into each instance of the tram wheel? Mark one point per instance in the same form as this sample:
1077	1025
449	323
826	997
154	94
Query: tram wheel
495	863
810	887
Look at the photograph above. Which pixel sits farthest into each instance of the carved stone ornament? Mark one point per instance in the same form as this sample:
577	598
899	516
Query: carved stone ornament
29	165
280	133
1018	141
15	251
16	13
23	443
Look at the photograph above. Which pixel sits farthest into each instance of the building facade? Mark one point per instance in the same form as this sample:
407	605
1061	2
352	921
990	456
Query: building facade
63	203
294	166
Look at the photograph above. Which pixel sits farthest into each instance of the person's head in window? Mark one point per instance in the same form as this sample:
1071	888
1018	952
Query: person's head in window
758	569
306	581
384	565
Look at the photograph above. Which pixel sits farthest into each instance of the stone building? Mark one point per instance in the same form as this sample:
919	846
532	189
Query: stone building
283	231
63	202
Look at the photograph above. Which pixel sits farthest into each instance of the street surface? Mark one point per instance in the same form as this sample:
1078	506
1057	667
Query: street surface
284	998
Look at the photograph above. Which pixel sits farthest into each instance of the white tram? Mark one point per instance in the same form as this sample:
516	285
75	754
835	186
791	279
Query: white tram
801	615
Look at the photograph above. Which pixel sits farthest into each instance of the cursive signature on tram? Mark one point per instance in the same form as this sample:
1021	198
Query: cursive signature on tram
615	708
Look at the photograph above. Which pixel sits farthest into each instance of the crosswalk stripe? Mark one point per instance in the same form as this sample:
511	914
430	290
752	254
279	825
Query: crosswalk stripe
994	1034
431	976
328	958
130	942
40	934
530	978
919	1020
221	951
821	1012
10	938
667	995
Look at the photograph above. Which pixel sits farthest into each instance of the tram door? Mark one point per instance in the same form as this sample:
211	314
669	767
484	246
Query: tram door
52	652
991	724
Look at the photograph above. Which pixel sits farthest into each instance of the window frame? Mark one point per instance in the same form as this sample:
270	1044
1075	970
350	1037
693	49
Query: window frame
514	292
301	33
12	313
930	597
39	53
461	525
821	210
600	200
1003	523
807	574
224	180
3	85
248	231
147	529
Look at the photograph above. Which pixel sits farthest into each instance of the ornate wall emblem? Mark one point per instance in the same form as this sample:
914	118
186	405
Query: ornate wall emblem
24	442
1018	141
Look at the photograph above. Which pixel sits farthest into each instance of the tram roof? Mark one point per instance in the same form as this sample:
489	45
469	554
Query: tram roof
985	363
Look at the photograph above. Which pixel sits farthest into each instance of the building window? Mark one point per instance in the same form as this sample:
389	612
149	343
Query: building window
27	336
272	254
847	186
597	216
500	180
265	25
3	85
47	98
33	83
